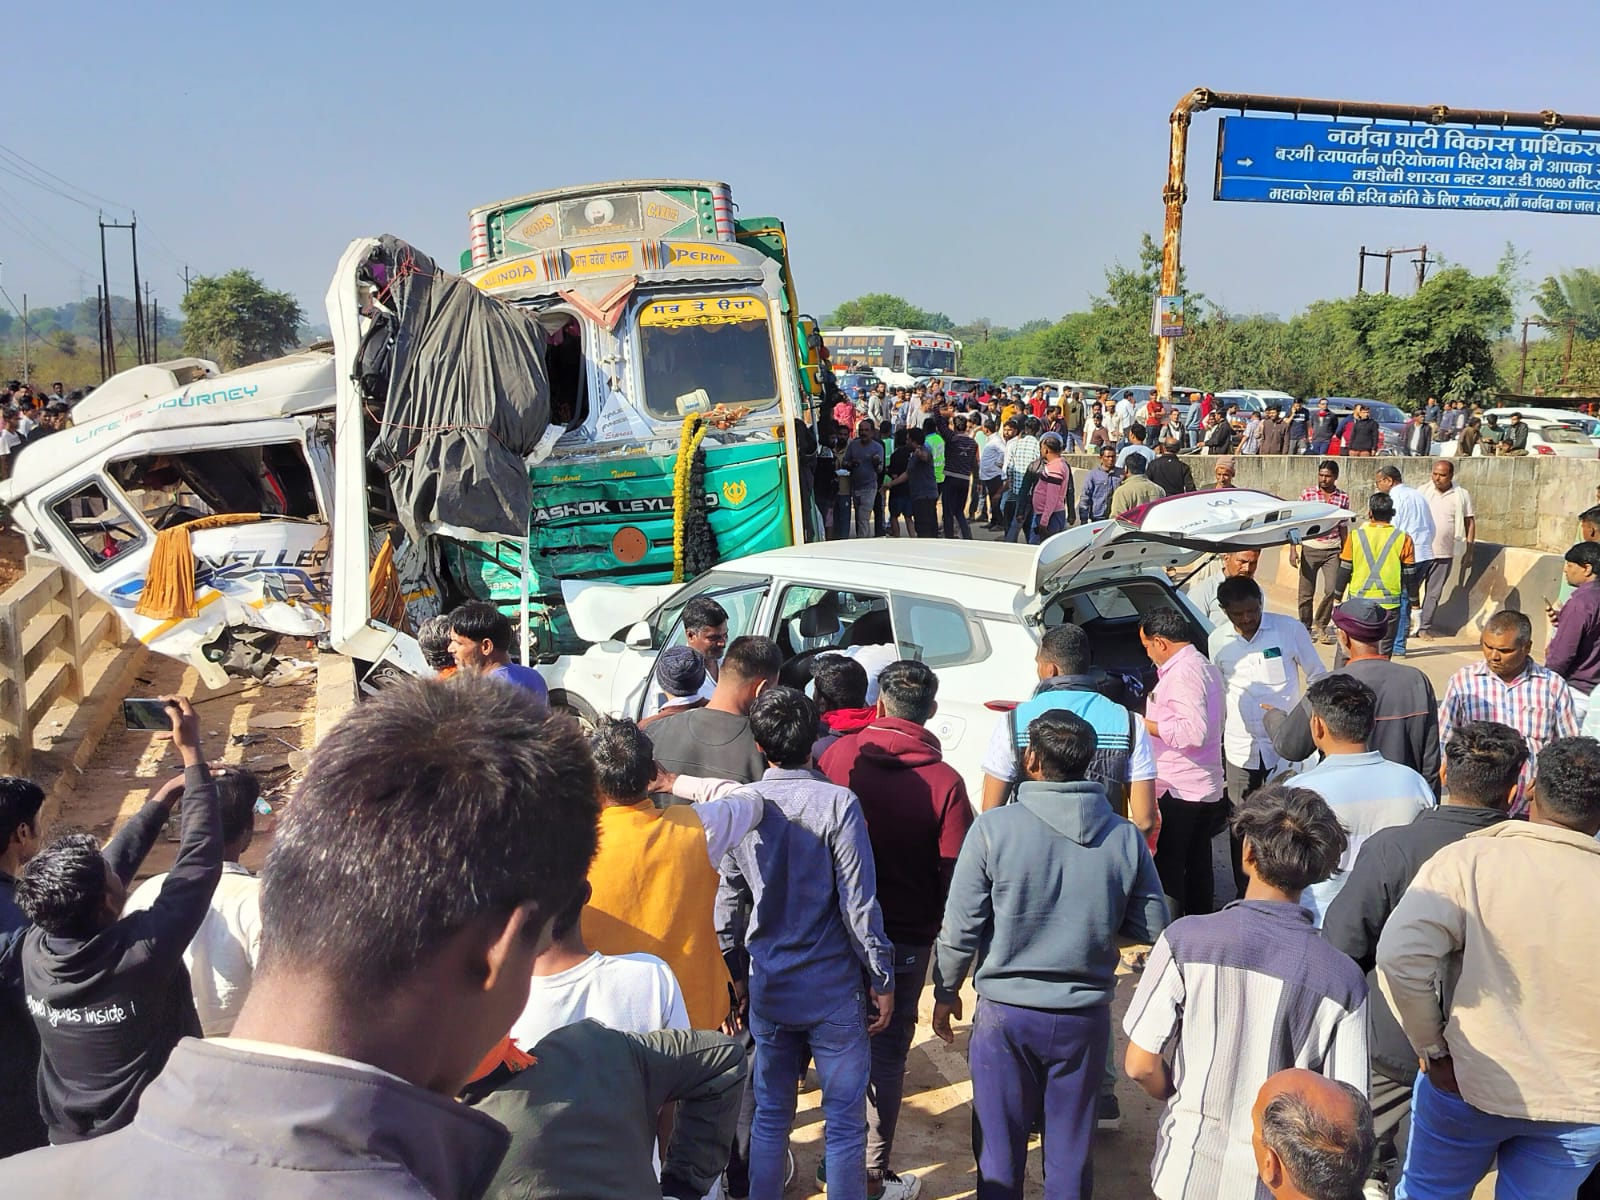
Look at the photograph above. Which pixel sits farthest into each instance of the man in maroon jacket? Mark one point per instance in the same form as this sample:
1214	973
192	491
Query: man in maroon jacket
917	814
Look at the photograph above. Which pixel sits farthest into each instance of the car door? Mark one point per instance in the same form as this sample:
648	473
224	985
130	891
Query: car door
743	597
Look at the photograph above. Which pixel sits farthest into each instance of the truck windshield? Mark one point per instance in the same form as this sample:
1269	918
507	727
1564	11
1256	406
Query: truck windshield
731	361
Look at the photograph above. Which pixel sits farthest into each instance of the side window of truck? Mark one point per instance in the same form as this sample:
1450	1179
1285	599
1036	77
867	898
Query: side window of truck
103	529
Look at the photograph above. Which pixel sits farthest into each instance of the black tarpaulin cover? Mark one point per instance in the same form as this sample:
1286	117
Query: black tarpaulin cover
467	400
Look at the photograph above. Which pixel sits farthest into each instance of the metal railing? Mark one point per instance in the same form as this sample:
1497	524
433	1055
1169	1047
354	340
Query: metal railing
50	625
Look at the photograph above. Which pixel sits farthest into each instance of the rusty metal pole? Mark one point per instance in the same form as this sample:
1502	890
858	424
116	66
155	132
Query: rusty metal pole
1173	195
1361	271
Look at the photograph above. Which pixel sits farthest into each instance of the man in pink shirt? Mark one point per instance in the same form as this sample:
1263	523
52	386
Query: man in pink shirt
1050	493
1184	718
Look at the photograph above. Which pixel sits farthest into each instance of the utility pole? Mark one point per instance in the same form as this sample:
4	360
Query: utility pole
138	306
186	280
100	328
25	376
108	366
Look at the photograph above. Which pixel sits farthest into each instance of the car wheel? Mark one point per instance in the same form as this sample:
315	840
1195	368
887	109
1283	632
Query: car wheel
564	701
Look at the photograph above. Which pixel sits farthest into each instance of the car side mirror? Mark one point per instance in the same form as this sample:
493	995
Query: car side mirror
638	637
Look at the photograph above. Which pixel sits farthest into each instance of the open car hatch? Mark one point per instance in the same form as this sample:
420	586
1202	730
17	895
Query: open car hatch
1175	532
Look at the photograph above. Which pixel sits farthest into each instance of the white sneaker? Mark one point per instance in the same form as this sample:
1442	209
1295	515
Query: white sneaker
1374	1189
898	1187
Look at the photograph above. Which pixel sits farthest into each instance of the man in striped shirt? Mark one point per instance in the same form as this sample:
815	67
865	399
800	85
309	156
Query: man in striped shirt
1509	687
1238	995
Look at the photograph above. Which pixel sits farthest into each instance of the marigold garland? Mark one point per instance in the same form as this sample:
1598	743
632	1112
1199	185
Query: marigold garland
694	432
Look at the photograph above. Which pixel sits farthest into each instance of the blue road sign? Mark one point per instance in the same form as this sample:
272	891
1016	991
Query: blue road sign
1287	161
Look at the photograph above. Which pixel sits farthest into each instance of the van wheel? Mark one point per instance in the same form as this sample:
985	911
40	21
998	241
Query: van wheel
575	706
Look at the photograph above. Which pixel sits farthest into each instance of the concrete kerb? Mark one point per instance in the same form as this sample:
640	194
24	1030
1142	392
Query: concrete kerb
336	691
110	675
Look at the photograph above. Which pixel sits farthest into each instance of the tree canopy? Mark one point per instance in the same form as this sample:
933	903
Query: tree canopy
237	320
880	308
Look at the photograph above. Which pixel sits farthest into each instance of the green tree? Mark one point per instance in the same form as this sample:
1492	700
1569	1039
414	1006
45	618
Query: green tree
237	320
1440	342
1573	296
880	308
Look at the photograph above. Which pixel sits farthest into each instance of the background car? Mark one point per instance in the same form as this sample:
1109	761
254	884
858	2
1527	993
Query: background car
850	381
1588	426
1391	420
1544	438
974	611
962	387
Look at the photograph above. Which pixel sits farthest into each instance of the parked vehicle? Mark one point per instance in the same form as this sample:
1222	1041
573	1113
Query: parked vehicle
1391	420
974	611
1588	426
1546	438
962	387
1254	399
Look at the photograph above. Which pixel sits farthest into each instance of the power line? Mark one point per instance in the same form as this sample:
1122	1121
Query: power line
30	165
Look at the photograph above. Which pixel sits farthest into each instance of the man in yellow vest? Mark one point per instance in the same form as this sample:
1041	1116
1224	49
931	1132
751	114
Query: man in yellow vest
1377	563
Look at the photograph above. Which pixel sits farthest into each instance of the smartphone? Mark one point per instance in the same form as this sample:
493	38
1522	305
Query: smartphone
151	715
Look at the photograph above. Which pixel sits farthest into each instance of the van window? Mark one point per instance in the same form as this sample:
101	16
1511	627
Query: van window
98	522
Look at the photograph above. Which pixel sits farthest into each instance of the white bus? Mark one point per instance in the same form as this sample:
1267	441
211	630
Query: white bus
899	357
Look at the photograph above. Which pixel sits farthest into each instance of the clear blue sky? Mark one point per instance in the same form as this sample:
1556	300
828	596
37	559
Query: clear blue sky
980	159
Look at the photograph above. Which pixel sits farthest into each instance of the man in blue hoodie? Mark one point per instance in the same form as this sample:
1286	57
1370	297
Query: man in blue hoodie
1047	969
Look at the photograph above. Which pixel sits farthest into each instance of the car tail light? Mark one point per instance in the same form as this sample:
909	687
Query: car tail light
1001	705
1541	448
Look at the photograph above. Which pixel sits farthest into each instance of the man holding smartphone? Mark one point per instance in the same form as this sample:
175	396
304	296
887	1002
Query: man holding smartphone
109	993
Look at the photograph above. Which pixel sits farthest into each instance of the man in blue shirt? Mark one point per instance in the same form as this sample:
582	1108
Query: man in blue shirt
814	934
480	640
1094	504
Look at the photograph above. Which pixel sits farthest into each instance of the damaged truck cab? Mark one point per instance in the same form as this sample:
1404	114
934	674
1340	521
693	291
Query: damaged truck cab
617	388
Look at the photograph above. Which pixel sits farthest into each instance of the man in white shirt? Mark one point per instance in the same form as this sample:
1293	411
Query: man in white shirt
632	993
223	956
1411	517
1263	658
1365	790
1454	527
10	441
1122	418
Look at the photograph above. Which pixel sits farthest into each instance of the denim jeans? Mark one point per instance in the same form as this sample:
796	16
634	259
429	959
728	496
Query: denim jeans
1453	1145
838	1045
889	1051
1056	522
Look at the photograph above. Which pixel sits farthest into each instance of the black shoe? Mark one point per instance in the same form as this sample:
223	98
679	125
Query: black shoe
1108	1115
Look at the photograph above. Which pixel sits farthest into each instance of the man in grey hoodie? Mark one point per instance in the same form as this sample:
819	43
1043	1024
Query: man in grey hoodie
1046	970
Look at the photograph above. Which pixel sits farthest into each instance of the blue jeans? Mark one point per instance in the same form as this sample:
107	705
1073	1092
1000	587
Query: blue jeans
1055	524
1405	623
1027	1064
839	1046
1453	1145
1021	521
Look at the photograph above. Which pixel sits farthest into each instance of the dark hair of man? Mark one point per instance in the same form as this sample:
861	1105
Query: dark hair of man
908	690
959	424
1296	839
703	613
1326	1159
1391	473
1565	788
916	437
1168	624
841	682
238	789
20	802
751	658
1590	516
1013	424
1586	554
1482	762
1065	744
1380	507
1509	620
427	807
1066	647
1237	589
478	621
1031	426
1136	434
1135	465
64	885
624	759
434	640
1348	707
570	916
1329	464
784	724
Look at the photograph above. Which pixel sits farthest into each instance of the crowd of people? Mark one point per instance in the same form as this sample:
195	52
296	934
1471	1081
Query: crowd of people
28	414
493	954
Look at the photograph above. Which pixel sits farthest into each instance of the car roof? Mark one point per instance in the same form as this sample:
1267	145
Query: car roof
884	562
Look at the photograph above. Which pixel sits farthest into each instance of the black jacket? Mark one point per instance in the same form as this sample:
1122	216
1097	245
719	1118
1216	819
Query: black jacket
1407	729
1364	433
21	1126
1170	473
1388	862
110	1008
224	1123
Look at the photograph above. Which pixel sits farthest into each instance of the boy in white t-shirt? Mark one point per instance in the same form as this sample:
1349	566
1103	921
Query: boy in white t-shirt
633	993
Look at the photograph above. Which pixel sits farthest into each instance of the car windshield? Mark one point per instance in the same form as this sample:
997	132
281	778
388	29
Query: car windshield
1386	414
